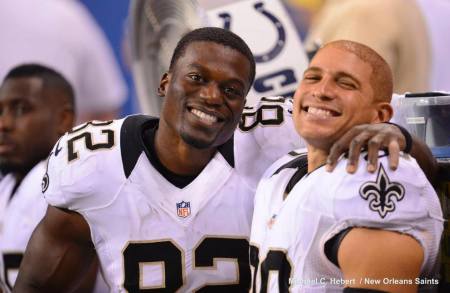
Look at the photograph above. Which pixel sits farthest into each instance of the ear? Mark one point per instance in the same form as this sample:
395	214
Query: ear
163	84
384	112
66	119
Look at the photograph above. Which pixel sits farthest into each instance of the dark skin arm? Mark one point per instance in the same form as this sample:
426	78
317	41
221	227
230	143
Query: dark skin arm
380	136
59	255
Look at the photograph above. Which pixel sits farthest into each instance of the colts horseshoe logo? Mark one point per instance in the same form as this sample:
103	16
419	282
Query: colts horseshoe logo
280	42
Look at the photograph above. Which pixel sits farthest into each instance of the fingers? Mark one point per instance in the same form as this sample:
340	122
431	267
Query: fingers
335	152
394	154
376	137
341	146
374	146
356	145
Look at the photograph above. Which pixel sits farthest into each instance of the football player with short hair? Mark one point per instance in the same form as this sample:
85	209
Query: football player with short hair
165	203
36	108
318	231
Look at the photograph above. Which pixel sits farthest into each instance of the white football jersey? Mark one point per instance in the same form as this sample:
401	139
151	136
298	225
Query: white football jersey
3	287
288	236
149	233
19	216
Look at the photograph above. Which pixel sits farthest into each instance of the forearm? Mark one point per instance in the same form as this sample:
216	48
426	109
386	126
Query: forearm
422	153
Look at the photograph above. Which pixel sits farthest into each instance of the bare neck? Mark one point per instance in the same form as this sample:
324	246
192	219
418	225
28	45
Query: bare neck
316	157
179	157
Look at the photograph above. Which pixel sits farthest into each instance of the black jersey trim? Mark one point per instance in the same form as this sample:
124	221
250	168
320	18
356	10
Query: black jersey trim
227	151
299	162
131	144
332	246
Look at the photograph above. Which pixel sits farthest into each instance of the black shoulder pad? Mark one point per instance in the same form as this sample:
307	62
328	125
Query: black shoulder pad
298	163
131	142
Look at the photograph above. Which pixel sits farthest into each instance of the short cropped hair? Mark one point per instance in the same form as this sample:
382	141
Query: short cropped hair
216	35
50	77
381	79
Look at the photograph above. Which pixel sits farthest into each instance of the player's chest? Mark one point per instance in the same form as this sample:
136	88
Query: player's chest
290	222
161	240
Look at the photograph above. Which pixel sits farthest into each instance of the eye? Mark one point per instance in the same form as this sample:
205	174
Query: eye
195	77
20	109
311	77
232	90
347	84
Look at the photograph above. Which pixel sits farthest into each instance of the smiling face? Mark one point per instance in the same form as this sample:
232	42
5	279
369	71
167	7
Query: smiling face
28	124
335	94
205	94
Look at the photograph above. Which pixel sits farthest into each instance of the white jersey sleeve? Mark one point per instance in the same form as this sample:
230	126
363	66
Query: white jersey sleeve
266	132
401	200
84	169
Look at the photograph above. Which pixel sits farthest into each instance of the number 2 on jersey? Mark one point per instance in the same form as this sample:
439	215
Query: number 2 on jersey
87	137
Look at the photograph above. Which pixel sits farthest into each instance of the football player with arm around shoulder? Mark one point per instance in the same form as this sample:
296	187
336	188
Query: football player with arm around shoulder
167	203
318	231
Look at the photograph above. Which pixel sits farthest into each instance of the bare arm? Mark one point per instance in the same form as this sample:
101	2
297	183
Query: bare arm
59	254
379	254
425	159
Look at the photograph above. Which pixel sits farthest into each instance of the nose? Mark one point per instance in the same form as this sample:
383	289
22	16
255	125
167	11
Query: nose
324	90
211	93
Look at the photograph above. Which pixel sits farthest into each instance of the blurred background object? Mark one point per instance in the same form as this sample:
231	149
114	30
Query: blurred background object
437	16
63	35
396	29
427	115
155	28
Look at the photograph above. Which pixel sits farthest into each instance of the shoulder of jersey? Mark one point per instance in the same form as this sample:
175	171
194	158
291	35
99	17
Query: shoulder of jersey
293	160
89	163
385	195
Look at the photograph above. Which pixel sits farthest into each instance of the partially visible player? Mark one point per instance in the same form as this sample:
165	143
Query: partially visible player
165	203
318	231
36	108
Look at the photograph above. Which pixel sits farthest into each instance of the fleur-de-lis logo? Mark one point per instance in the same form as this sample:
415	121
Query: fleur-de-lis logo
381	194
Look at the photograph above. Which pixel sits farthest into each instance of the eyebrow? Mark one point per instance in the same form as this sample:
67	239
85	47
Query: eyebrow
337	74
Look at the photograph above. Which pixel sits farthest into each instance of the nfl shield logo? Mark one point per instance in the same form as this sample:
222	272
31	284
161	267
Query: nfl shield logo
183	209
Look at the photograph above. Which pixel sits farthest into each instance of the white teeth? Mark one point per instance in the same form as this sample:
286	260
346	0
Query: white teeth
204	116
319	112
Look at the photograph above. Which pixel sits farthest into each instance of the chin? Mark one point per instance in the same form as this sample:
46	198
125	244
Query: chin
195	142
318	140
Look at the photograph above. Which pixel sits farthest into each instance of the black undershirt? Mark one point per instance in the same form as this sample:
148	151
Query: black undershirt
148	137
